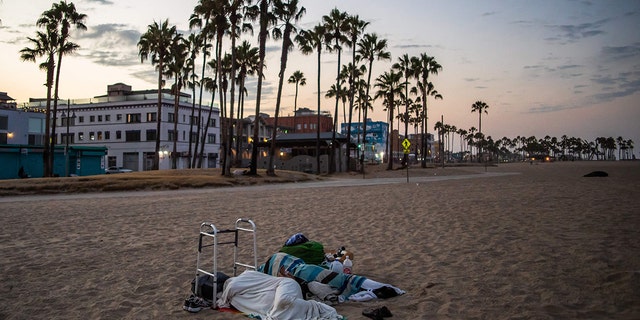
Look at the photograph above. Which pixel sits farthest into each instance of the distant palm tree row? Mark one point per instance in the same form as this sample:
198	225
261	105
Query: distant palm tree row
522	148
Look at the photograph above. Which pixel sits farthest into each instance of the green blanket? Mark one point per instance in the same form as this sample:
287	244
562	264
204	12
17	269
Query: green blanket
311	252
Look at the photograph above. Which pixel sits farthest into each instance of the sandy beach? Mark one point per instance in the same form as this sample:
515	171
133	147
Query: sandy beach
517	241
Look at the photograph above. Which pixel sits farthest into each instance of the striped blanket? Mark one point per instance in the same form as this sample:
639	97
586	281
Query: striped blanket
282	264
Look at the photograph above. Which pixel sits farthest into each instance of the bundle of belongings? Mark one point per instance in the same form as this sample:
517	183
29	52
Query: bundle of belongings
297	283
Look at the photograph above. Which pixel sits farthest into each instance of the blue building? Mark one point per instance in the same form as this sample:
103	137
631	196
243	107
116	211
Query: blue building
374	144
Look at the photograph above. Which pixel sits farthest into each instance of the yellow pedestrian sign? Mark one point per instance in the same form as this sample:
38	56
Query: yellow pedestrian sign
405	145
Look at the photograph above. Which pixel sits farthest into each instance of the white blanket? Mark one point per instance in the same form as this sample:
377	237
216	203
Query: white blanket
272	298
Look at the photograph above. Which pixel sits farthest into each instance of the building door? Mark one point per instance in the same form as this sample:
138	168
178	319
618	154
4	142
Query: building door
130	161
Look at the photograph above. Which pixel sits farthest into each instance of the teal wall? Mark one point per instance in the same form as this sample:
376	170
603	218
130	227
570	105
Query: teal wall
83	161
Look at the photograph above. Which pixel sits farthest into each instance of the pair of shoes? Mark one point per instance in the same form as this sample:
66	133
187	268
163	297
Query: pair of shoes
377	313
195	304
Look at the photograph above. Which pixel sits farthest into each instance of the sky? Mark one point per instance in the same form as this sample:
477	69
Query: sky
546	67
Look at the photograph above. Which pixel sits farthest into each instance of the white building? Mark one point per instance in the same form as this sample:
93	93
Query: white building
125	122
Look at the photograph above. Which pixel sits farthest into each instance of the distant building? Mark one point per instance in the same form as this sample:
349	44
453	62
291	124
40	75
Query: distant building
22	143
125	122
304	120
374	146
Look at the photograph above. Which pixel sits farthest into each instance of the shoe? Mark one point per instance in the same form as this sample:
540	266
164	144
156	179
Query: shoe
190	306
195	304
385	312
377	313
385	292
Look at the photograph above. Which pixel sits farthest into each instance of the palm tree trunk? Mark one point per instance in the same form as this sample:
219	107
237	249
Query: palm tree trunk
253	169
174	153
318	115
156	155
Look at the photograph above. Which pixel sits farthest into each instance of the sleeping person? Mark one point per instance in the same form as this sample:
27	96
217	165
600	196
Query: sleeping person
346	286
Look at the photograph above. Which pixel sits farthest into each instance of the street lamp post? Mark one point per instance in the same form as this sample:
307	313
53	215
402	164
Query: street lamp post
68	117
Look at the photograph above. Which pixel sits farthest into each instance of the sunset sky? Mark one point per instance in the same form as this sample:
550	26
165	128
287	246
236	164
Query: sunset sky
549	67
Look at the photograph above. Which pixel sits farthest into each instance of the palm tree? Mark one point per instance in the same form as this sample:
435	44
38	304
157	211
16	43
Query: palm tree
310	40
424	66
236	8
194	43
389	87
370	48
288	13
404	66
202	17
155	44
298	78
266	19
247	61
178	70
61	17
480	107
356	28
340	93
337	28
44	45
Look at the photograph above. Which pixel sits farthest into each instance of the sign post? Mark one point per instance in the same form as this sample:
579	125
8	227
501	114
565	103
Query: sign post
405	146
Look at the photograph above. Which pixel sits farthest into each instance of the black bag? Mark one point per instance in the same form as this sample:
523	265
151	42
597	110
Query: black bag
205	285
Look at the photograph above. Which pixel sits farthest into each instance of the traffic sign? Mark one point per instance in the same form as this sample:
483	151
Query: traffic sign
406	143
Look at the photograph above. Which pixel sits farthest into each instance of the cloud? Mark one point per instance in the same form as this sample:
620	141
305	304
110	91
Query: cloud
110	44
613	87
574	32
413	46
102	2
621	52
547	108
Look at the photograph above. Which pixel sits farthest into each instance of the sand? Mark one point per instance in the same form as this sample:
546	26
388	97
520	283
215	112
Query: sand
541	243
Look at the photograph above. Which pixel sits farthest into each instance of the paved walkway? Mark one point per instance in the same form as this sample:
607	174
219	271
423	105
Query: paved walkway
332	182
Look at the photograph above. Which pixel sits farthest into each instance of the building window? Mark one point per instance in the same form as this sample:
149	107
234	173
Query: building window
194	120
151	135
118	135
107	117
99	118
298	126
184	135
107	135
133	118
4	123
170	117
92	118
80	136
151	116
118	117
3	138
36	139
211	138
92	136
81	119
111	161
172	135
212	123
184	118
132	135
99	135
67	138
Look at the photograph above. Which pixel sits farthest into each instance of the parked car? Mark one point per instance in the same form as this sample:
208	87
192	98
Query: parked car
117	170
